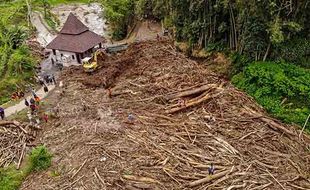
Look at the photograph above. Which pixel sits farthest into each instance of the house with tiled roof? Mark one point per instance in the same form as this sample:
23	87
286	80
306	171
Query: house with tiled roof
74	42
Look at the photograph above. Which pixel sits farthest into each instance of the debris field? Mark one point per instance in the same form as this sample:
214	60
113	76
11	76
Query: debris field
151	118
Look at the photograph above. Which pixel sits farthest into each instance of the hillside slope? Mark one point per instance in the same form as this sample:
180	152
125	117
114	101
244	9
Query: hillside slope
141	135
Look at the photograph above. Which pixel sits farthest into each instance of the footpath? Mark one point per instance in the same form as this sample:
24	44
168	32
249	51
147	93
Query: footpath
21	105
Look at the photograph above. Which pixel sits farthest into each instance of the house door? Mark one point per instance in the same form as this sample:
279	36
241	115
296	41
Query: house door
78	57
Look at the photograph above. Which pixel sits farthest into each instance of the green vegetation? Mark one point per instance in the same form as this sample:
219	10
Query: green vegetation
283	89
38	160
16	63
120	14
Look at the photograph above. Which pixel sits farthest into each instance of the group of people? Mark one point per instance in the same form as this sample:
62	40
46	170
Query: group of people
34	102
47	79
17	95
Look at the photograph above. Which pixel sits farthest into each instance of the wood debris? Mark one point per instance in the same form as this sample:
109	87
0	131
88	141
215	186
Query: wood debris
169	119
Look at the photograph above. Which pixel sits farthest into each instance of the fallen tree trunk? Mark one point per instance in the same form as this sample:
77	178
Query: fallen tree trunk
184	93
15	123
6	123
210	178
272	124
194	102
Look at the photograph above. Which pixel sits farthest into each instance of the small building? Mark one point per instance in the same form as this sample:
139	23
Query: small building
74	42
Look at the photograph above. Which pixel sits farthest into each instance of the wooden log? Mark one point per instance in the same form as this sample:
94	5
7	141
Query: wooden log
21	157
15	123
194	102
277	126
6	123
271	123
100	178
189	92
210	178
79	169
140	179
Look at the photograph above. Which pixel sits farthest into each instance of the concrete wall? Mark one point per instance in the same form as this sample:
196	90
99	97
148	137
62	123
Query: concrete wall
64	57
70	58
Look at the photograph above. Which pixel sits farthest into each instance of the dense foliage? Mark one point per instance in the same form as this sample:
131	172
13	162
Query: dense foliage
16	63
250	27
120	14
283	89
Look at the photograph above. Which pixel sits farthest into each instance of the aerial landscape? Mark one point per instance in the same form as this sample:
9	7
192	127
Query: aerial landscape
154	94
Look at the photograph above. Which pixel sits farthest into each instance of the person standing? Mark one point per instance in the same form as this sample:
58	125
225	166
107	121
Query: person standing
41	82
32	101
53	79
33	109
26	102
211	169
37	99
2	113
45	117
45	89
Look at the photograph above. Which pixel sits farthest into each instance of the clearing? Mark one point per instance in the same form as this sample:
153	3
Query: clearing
164	121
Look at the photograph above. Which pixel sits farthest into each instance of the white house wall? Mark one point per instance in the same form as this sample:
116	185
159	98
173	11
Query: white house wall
65	58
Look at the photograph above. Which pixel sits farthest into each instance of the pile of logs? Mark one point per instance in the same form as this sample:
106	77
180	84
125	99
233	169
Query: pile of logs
173	118
14	139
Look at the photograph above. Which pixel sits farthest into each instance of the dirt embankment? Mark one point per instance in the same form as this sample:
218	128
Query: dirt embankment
166	120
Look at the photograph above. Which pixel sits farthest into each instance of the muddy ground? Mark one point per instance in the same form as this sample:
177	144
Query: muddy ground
164	120
90	14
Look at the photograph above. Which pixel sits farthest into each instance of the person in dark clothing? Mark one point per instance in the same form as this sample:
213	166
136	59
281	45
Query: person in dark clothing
45	89
211	169
32	101
53	79
41	82
26	102
46	79
2	113
33	108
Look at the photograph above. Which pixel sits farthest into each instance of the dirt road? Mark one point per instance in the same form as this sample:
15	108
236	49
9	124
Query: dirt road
44	35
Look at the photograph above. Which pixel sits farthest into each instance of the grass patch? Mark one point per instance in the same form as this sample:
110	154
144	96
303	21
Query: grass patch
38	160
20	116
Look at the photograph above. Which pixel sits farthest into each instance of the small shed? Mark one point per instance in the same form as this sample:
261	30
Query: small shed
74	42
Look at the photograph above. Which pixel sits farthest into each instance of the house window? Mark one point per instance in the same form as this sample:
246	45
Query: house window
61	55
73	57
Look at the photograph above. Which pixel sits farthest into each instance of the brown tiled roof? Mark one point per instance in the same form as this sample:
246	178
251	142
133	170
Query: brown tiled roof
75	43
75	37
73	26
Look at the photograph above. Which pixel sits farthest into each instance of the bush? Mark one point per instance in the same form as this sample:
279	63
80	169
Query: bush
282	89
11	178
40	159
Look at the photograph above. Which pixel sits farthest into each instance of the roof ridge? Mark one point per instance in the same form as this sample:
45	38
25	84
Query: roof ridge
73	26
